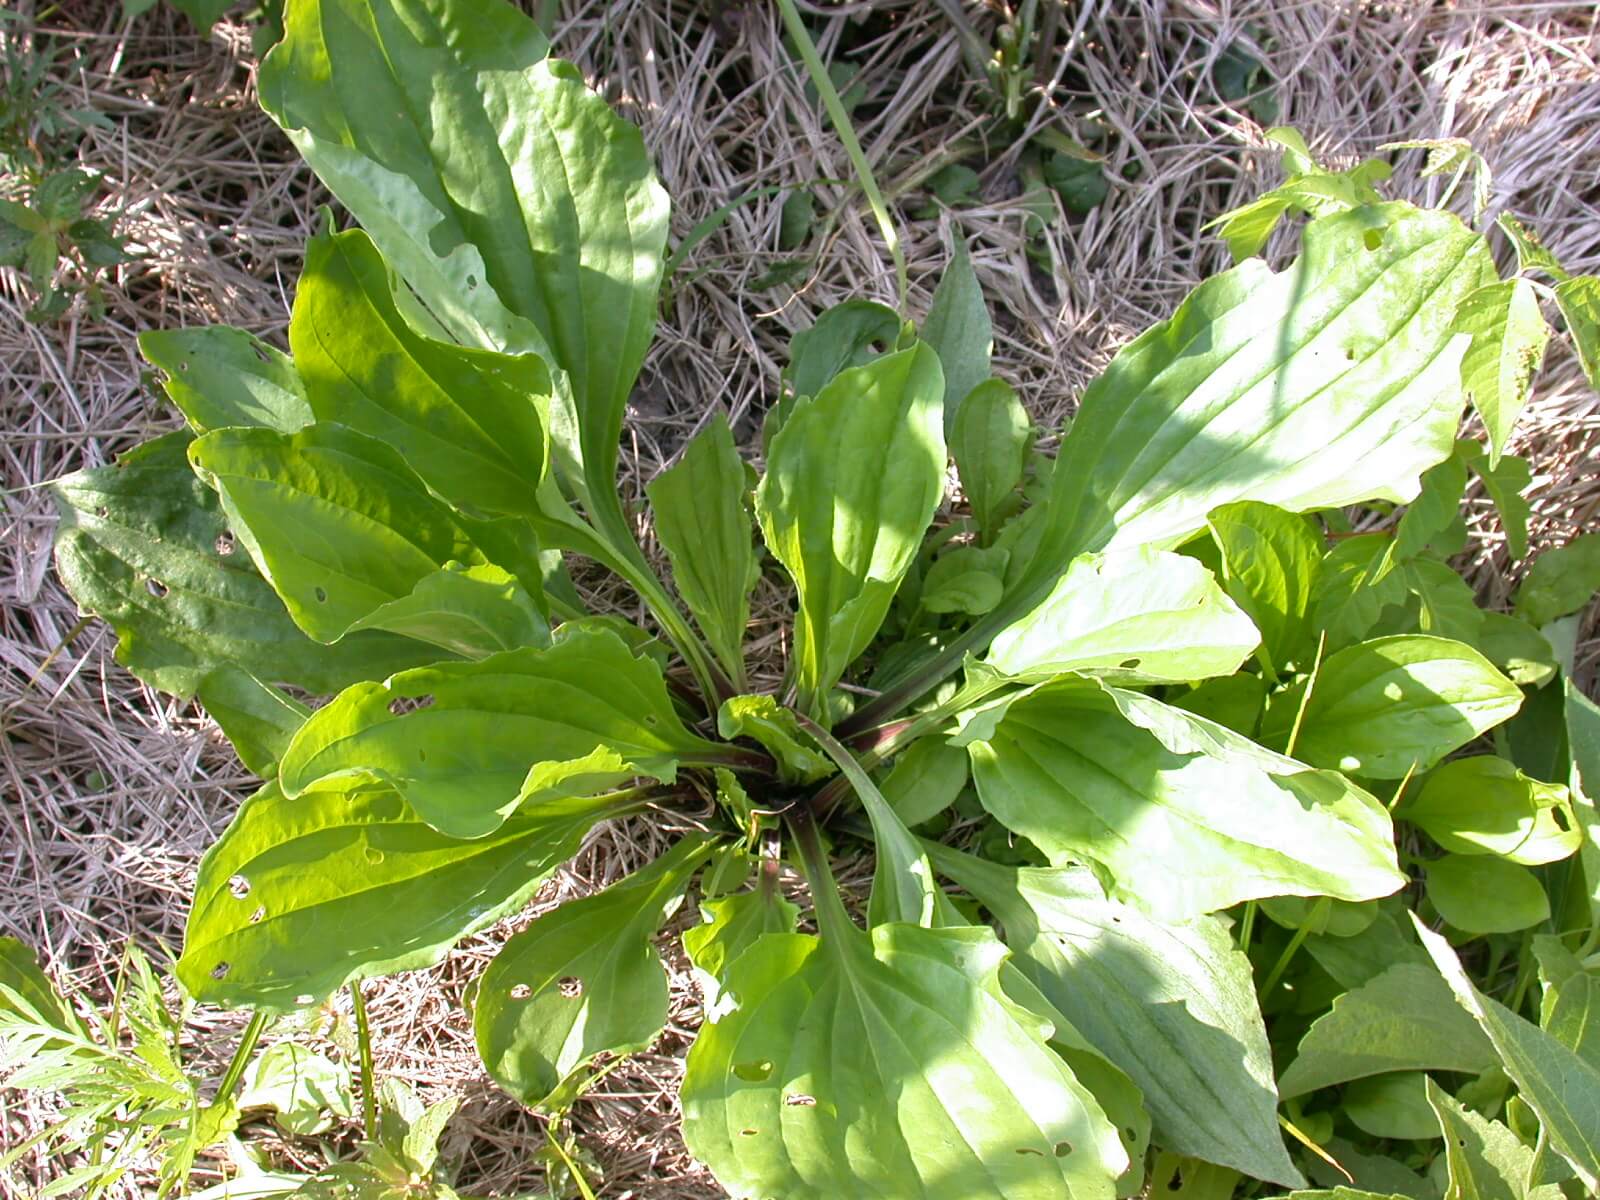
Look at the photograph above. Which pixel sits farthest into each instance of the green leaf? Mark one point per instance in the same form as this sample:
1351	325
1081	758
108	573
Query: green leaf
1203	410
526	219
1446	605
1140	616
305	1089
20	971
1486	895
1387	707
852	480
204	13
847	335
257	718
1578	299
470	611
1173	1005
968	579
144	546
1436	508
1351	594
1392	1106
815	1082
386	893
702	523
1132	785
1570	1010
959	330
1270	561
1484	805
730	925
1561	581
1505	482
926	780
1508	339
775	727
580	981
989	441
1531	253
1399	1020
220	376
1486	1160
466	743
1559	1085
467	421
61	196
336	521
1518	649
1233	701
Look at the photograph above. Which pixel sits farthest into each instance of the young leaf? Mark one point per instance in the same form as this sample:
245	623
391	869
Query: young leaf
1570	1011
989	441
257	718
1559	1085
1486	1160
529	220
21	973
306	1090
1436	508
1351	594
1508	339
144	546
388	893
470	611
580	981
1486	895
1400	1020
467	421
1122	781
847	335
816	1082
1505	482
1173	1005
220	376
1518	649
1561	581
776	728
1484	805
1392	1106
730	926
1531	253
1390	706
851	483
1270	561
336	521
583	716
968	579
703	525
959	330
1579	301
926	780
1142	615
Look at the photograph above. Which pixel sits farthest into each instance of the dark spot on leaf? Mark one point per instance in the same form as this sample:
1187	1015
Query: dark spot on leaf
1560	818
1350	354
102	512
1129	664
255	917
321	594
184	365
570	986
225	543
422	756
472	282
1176	1182
1130	1134
753	1072
748	1132
521	992
1372	239
800	1100
221	969
156	588
239	887
1030	1150
1063	1149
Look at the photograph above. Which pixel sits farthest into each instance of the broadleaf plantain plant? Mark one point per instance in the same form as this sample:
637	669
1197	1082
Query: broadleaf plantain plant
1178	710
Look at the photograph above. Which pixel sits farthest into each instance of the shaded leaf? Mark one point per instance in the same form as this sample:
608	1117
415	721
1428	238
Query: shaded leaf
1561	581
730	925
1270	561
1392	1106
968	580
258	719
989	440
220	376
775	727
926	780
1484	805
471	611
1486	895
959	330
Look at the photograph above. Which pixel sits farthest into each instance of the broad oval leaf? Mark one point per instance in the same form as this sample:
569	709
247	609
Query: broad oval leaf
1173	1005
300	895
467	421
852	481
989	441
466	743
522	211
1334	381
815	1081
1132	785
258	719
1486	895
731	924
1484	805
1399	1020
704	526
1561	580
959	330
144	545
470	611
336	521
1141	616
1270	562
926	780
1393	705
1486	1161
220	376
580	981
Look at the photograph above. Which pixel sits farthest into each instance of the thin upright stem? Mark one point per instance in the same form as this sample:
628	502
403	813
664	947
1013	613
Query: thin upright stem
241	1055
369	1093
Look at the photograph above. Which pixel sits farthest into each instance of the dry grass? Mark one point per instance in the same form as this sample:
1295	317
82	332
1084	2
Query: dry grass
111	792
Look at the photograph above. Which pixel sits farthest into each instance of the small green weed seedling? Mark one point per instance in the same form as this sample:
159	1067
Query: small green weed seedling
59	248
1200	814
